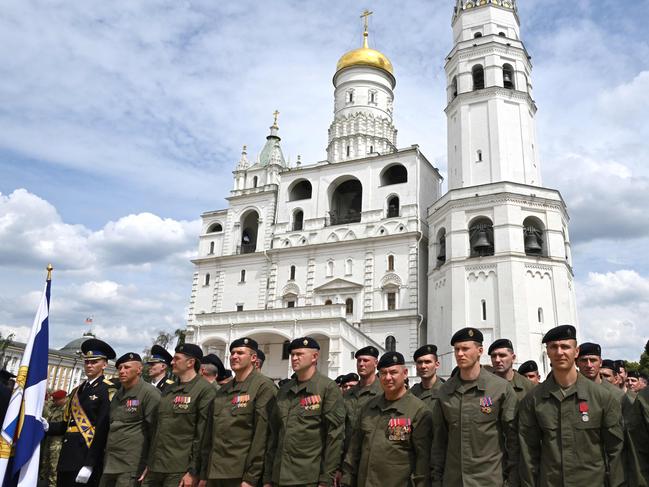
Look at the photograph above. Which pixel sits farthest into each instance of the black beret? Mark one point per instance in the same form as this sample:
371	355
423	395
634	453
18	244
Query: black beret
467	335
339	379
128	357
244	342
588	348
261	355
633	373
500	343
527	367
389	359
224	374
608	364
283	381
303	342
620	364
562	332
93	348
190	350
159	354
211	358
425	350
6	375
370	351
351	377
644	376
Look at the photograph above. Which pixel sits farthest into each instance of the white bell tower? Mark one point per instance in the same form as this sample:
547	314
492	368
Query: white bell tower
499	250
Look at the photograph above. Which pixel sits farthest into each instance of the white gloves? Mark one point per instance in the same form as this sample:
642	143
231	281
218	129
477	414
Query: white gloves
84	475
46	425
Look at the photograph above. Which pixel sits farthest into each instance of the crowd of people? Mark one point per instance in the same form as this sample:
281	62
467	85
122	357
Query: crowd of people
586	424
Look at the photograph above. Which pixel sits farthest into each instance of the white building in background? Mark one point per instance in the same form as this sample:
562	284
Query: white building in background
499	248
340	249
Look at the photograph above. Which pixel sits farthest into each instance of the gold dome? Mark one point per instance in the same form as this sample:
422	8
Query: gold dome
365	56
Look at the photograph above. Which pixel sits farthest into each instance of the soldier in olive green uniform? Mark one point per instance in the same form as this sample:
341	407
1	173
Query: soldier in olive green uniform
132	413
530	370
234	446
427	364
307	424
638	428
502	359
589	361
569	427
51	445
175	453
474	430
390	446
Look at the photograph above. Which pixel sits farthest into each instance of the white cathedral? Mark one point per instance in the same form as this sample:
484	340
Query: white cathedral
364	249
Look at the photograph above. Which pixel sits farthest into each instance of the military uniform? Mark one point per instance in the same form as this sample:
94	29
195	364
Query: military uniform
132	414
85	429
307	428
160	354
355	400
391	445
427	395
638	430
570	437
181	420
474	433
234	446
521	385
51	447
164	384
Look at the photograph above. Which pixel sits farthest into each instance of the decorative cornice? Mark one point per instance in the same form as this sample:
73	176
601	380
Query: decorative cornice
489	92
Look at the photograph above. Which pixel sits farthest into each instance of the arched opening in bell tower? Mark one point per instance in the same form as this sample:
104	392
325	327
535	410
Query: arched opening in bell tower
250	227
346	202
534	237
508	77
477	72
481	237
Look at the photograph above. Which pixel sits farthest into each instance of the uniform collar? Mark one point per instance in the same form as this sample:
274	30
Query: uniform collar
235	386
358	390
384	405
551	388
132	392
456	384
186	386
311	385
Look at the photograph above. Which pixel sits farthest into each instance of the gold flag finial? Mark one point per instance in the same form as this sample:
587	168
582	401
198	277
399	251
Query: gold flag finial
365	16
275	115
50	268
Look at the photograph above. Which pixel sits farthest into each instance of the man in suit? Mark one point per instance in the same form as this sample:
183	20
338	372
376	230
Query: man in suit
85	424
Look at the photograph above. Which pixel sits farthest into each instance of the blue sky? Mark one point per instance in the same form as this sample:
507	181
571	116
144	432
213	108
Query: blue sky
121	122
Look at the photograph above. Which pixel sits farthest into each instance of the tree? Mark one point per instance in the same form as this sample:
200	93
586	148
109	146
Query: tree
180	334
644	360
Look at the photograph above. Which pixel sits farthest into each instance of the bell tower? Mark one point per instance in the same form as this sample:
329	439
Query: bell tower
499	250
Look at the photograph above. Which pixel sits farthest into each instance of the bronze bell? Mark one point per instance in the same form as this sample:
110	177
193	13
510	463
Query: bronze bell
482	242
532	245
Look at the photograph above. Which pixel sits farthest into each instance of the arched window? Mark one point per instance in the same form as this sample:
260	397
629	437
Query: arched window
211	247
391	298
330	268
508	77
348	267
477	35
478	77
286	354
534	236
478	155
298	220
441	247
502	34
348	151
539	314
454	86
250	226
243	276
206	280
255	180
390	262
394	174
481	237
292	273
215	227
393	207
300	190
390	344
483	309
349	306
328	302
346	202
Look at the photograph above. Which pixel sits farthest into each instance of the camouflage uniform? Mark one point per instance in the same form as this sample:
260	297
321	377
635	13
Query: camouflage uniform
51	447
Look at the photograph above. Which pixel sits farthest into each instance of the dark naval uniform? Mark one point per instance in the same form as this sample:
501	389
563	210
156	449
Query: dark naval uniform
132	414
160	355
391	445
164	384
235	440
307	428
571	437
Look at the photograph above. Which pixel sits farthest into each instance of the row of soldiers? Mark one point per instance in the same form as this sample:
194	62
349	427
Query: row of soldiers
479	428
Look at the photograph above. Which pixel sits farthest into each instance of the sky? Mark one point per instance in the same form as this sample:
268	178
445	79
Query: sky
120	123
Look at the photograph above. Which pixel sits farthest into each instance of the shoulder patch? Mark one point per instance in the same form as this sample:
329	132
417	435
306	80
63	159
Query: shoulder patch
109	382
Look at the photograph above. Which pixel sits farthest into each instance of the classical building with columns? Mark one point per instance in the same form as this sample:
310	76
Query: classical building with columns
363	248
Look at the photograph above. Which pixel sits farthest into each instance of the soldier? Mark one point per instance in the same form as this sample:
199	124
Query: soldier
132	412
51	446
474	434
608	373
211	368
530	370
638	430
307	424
224	377
349	381
339	381
234	445
502	359
569	427
589	362
261	358
175	453
632	379
427	364
391	445
159	364
85	421
621	372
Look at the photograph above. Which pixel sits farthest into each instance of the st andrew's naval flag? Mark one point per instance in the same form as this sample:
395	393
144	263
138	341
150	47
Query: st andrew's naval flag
22	430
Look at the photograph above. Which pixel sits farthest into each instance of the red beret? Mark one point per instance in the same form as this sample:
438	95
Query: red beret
60	394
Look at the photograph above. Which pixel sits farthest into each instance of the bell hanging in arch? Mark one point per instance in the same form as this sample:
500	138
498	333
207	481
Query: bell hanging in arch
482	241
532	245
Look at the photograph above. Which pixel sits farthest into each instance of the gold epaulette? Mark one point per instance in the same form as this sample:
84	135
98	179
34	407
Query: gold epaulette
169	381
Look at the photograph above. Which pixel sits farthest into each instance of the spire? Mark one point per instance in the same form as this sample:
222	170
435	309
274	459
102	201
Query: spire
243	162
365	16
272	152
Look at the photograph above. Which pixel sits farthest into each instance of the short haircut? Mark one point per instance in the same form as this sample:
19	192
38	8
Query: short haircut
210	369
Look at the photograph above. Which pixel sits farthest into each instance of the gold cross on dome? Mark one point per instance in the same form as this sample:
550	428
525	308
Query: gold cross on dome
275	115
365	16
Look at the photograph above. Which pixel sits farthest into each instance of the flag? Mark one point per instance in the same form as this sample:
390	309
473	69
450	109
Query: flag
22	430
89	320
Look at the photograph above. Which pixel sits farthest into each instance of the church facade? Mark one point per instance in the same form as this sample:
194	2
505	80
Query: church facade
364	249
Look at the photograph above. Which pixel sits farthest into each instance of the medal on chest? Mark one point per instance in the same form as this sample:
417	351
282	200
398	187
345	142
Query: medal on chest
486	404
240	401
399	429
131	405
583	409
182	402
310	403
